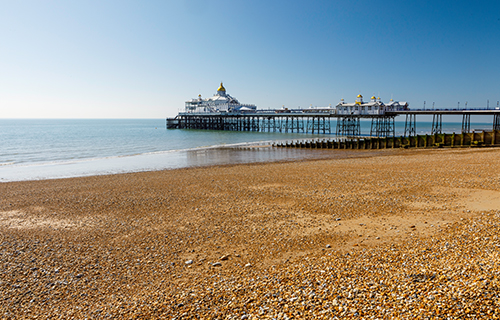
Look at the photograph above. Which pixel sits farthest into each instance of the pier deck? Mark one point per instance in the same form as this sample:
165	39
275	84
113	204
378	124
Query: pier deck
307	121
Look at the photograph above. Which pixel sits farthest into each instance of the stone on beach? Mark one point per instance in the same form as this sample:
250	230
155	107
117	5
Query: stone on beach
138	245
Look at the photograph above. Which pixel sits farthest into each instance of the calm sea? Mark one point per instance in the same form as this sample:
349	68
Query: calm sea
47	149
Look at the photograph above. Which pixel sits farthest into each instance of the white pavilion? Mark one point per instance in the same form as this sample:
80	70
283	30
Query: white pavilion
373	107
219	102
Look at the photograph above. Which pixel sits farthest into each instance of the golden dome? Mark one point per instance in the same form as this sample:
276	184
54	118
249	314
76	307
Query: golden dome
374	98
221	88
359	96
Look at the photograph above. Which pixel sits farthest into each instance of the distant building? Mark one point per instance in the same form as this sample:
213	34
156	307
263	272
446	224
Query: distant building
220	102
374	107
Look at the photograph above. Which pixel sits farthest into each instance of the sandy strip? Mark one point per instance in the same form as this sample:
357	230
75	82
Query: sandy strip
402	233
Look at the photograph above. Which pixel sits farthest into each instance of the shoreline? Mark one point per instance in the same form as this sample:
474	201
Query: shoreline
159	161
381	235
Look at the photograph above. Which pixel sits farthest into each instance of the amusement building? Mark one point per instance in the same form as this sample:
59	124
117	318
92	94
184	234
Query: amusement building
219	102
373	107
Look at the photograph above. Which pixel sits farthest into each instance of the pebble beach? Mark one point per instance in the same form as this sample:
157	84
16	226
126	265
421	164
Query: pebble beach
391	234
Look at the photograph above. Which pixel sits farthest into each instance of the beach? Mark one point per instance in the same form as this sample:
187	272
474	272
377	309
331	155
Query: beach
386	234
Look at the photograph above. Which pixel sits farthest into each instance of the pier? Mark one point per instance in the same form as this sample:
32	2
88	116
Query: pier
226	113
317	122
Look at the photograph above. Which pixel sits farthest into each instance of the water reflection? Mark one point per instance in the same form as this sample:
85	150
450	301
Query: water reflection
224	156
168	160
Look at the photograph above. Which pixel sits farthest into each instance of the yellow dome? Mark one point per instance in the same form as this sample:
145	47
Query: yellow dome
359	96
374	98
221	88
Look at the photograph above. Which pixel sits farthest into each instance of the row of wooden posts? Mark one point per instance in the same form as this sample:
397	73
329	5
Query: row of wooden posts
472	139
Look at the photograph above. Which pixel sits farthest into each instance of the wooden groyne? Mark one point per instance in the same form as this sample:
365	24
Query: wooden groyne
452	140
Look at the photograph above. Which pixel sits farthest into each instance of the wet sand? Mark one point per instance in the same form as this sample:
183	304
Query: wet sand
392	234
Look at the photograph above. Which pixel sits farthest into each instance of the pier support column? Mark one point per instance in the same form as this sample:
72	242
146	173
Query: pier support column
348	126
496	121
382	126
466	123
410	125
437	123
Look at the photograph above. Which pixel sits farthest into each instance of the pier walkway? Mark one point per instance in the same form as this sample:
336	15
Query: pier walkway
320	121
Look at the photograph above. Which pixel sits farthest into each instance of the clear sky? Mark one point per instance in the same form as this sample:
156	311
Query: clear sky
144	59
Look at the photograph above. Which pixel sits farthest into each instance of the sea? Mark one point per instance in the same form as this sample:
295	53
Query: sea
37	149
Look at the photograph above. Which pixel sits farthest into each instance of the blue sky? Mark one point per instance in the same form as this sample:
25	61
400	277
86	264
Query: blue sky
143	59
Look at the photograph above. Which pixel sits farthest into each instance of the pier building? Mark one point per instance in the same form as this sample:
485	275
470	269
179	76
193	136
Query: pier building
219	102
373	107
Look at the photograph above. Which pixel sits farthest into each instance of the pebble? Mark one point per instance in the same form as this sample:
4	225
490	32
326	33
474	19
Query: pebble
441	272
